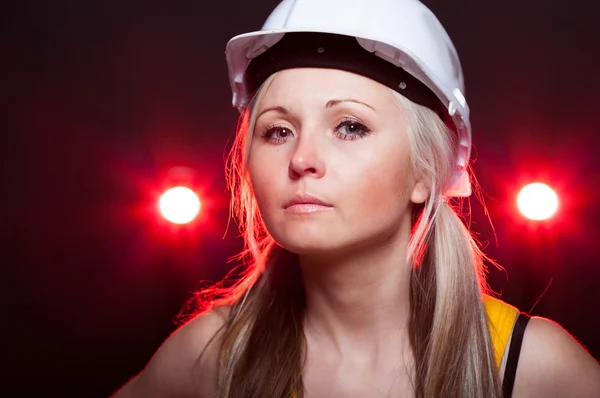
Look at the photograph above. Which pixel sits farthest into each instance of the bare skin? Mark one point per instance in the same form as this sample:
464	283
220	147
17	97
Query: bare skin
356	287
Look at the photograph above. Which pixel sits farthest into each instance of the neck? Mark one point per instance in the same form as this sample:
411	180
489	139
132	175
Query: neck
359	300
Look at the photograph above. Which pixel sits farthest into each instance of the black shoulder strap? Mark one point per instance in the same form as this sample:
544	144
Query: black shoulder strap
513	354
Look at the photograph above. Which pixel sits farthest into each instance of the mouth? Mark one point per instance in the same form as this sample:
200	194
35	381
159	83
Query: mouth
306	203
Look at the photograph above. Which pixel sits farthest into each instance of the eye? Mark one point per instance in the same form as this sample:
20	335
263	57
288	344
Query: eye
276	134
350	129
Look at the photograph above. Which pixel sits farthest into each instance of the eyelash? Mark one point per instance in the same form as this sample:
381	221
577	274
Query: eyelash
268	132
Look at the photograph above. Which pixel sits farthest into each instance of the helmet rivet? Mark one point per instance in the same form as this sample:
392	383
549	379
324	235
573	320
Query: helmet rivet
320	50
402	85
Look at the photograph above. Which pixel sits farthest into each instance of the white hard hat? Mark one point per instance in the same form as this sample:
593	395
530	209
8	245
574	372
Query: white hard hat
405	33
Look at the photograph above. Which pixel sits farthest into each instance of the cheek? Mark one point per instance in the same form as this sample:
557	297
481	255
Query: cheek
260	182
379	187
265	177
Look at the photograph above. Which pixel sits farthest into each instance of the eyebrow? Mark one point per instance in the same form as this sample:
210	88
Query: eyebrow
279	109
330	104
335	102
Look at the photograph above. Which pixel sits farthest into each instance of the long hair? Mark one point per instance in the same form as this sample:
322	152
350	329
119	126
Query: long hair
263	347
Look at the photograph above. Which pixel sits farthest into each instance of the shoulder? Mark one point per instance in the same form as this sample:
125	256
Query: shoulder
552	363
186	363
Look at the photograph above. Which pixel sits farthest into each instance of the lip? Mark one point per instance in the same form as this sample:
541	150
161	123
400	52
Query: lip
306	200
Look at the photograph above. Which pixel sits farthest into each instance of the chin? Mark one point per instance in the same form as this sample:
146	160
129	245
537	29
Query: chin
305	245
313	240
333	239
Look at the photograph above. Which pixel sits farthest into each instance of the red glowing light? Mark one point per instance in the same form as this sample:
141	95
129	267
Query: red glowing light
179	205
537	201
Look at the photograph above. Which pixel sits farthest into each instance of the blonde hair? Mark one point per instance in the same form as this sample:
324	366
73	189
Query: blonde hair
263	346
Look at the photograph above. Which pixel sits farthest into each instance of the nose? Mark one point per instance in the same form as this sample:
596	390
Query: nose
306	159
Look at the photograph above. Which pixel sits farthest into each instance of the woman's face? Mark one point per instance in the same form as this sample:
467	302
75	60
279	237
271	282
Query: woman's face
329	161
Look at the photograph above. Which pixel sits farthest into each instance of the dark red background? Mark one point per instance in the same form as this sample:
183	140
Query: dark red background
103	98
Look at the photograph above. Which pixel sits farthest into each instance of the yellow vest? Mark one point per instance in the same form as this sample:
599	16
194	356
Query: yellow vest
501	319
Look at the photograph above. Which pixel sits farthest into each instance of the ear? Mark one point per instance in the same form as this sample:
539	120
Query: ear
420	192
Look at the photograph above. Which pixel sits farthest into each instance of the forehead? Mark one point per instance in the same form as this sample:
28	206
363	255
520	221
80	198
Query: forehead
321	85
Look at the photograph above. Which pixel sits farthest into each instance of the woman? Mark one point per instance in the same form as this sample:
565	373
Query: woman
361	279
